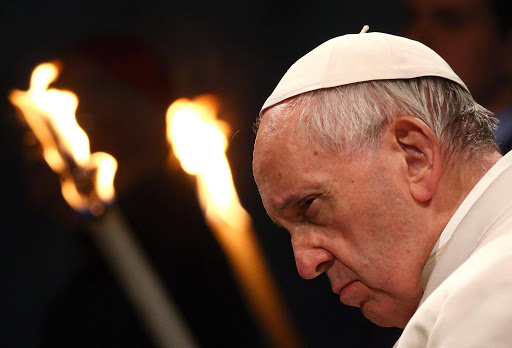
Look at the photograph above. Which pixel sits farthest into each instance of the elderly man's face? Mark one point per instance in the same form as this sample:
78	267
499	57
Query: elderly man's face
347	217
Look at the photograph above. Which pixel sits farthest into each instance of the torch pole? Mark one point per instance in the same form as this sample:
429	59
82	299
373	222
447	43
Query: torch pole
159	313
253	275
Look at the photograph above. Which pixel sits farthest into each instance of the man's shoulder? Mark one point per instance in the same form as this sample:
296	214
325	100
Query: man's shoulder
486	271
488	266
472	305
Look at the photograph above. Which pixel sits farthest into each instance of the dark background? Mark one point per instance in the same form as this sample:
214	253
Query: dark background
127	61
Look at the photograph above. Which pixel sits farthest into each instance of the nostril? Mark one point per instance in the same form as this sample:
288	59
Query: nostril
324	266
311	260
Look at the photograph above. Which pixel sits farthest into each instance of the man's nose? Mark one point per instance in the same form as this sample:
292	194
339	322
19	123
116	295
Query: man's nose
311	260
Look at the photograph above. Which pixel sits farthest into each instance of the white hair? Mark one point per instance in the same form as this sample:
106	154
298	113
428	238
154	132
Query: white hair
351	117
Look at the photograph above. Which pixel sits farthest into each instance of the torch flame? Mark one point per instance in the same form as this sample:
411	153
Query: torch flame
199	141
50	113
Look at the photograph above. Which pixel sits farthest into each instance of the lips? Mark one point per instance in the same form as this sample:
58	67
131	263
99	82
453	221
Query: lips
350	294
339	288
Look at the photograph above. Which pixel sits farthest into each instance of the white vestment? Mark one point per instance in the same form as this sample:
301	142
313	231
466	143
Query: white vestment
468	296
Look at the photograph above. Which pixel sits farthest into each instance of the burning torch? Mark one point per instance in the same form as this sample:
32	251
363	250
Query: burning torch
87	186
198	139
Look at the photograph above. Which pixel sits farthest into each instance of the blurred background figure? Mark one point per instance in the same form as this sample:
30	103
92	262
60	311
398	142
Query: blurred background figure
475	38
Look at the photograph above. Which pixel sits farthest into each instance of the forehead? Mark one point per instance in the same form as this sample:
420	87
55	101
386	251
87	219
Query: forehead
273	125
278	136
286	162
284	143
276	120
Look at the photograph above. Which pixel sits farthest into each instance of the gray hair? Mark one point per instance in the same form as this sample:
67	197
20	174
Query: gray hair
351	117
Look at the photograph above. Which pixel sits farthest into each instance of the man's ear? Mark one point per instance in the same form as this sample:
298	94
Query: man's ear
420	153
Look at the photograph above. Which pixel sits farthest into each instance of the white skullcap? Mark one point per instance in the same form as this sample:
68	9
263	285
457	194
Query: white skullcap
360	57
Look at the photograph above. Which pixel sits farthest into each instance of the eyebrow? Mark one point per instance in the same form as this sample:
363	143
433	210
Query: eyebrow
290	200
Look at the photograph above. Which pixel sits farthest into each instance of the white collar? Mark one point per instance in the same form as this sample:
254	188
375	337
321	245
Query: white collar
461	212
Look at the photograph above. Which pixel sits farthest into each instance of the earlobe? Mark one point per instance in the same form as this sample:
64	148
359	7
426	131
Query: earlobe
421	154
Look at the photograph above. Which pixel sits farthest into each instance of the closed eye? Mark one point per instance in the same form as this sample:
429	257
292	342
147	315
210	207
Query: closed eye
307	203
309	208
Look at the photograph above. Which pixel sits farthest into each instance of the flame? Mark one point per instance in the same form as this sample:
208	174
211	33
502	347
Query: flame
50	113
198	139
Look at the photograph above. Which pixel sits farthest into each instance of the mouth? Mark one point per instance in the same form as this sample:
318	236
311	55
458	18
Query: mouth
338	289
350	294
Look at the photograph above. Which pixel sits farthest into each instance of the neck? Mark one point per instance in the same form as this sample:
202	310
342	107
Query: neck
455	184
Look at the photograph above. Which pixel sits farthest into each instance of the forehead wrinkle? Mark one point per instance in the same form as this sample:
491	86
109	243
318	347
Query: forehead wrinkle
281	117
276	130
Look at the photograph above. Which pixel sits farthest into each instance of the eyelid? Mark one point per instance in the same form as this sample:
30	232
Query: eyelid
308	211
306	202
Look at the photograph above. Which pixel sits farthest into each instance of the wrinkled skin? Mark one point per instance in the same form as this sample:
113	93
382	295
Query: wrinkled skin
350	218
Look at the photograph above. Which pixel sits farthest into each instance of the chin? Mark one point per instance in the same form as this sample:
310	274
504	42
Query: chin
385	318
